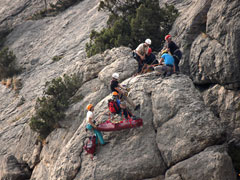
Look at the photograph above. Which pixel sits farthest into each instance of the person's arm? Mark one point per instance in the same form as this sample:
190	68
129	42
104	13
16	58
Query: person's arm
161	61
118	90
90	120
121	86
142	57
138	50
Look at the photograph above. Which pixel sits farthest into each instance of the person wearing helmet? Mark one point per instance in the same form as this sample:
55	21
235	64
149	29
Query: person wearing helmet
91	126
150	61
117	87
174	50
140	53
122	105
166	64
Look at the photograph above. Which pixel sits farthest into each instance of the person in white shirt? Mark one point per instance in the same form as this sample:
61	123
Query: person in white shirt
92	126
140	52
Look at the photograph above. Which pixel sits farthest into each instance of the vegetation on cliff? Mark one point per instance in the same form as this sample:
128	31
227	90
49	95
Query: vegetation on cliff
50	108
129	24
8	67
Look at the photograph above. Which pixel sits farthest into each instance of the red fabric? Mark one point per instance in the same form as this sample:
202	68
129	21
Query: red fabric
125	124
113	107
90	146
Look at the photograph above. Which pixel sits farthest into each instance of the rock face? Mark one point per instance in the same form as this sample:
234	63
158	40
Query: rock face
182	128
11	169
224	103
210	41
211	157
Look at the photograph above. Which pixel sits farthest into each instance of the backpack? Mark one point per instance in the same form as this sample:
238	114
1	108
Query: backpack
90	146
113	107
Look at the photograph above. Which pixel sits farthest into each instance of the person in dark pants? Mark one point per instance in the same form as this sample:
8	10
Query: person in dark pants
116	86
150	58
174	50
150	61
140	53
166	65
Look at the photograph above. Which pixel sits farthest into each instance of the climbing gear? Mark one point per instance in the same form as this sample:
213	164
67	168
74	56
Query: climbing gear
148	41
113	107
89	107
115	93
90	146
125	90
115	75
167	36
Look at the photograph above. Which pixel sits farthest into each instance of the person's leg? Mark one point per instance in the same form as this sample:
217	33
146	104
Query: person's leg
176	62
140	64
159	69
169	71
99	136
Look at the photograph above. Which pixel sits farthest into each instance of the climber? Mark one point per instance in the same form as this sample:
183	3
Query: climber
116	86
150	61
174	50
166	64
150	57
91	125
140	53
117	107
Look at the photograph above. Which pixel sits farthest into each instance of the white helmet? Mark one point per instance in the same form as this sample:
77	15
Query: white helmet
148	41
115	75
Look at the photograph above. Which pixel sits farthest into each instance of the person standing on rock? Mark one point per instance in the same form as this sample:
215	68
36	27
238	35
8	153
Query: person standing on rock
91	125
116	86
174	50
140	53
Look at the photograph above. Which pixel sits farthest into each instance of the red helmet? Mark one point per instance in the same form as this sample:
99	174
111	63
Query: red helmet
149	51
167	36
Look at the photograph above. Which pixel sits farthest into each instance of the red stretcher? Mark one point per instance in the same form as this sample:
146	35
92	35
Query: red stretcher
124	124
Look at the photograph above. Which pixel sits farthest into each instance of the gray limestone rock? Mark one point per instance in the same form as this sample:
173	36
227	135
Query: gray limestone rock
184	125
224	103
11	169
218	163
208	34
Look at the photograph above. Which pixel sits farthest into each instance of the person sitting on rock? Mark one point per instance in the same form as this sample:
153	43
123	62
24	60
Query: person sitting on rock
140	52
91	125
166	65
150	61
122	105
150	58
174	50
117	87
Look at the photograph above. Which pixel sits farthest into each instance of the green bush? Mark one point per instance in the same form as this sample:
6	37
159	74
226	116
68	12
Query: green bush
57	58
50	108
131	23
8	66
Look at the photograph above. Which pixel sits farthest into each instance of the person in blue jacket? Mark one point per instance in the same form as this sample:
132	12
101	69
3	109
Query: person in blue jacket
166	65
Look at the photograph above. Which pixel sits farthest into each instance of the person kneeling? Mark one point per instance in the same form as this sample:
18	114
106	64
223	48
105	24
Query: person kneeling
117	107
166	65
